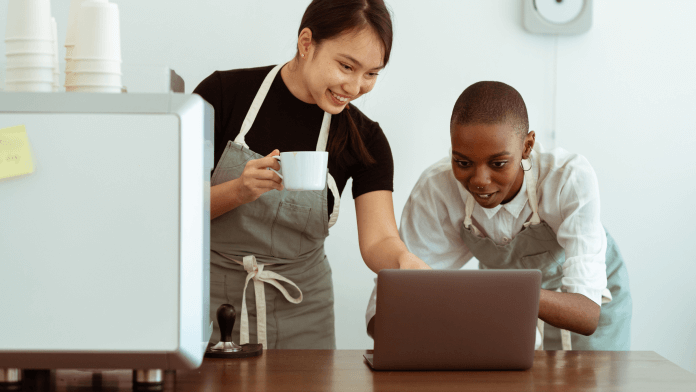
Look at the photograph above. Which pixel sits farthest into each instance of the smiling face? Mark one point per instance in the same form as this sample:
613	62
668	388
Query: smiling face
340	69
486	160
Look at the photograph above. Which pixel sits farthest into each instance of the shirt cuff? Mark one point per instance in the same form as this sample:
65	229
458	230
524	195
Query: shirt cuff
587	277
598	296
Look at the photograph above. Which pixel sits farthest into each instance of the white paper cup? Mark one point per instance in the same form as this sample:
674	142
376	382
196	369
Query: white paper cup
54	32
71	34
93	89
25	60
28	46
68	58
99	32
36	87
28	19
108	66
73	14
69	65
69	51
303	170
29	75
93	79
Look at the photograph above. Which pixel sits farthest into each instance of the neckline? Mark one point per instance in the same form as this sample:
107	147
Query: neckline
282	88
514	206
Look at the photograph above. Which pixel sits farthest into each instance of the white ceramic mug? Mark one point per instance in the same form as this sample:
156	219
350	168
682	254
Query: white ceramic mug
303	170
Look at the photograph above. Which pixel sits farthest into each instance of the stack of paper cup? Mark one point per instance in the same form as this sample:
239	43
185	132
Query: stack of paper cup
96	56
29	46
56	70
71	36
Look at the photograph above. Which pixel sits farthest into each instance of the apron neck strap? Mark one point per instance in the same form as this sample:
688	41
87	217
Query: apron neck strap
256	106
321	143
469	208
530	178
324	133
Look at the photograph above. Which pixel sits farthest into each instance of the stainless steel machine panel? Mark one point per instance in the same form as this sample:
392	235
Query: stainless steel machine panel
104	248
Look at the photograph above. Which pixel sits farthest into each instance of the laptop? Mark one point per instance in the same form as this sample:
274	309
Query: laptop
455	320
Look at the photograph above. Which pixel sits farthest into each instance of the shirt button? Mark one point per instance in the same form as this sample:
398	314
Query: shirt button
506	240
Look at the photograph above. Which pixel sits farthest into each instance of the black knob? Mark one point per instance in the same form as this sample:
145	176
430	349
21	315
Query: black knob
226	316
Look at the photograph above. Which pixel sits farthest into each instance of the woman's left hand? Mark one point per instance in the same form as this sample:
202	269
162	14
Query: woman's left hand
411	261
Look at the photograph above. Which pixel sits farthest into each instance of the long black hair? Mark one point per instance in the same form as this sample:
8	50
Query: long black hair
330	18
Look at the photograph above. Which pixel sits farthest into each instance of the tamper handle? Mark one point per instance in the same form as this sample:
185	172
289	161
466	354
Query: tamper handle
226	316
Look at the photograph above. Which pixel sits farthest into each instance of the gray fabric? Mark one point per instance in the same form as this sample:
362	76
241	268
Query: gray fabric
278	228
284	228
536	247
307	325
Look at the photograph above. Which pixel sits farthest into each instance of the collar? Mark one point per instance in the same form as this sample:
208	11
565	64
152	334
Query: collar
514	206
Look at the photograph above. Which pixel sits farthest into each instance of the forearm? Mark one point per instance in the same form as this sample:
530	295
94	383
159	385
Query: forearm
571	311
385	254
223	199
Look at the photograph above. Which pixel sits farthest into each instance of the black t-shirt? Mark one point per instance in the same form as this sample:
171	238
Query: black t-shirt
288	124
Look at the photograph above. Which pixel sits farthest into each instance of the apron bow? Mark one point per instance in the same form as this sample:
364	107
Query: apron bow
256	273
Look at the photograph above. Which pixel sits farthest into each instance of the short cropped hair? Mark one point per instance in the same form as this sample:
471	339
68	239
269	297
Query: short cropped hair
491	103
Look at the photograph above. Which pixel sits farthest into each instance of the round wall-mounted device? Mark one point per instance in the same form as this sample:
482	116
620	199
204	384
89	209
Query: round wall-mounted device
557	16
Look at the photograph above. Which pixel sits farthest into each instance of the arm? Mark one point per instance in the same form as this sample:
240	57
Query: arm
371	328
572	311
255	180
576	221
223	198
432	218
380	245
430	225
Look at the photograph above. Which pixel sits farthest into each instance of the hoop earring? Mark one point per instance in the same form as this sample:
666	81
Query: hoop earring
531	164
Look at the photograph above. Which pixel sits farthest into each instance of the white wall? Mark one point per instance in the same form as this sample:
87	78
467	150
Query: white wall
625	98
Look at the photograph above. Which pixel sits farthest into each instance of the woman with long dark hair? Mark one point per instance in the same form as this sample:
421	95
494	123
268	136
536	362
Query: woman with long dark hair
264	234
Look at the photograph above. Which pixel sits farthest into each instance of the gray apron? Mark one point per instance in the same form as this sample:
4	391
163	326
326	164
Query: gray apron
536	247
277	238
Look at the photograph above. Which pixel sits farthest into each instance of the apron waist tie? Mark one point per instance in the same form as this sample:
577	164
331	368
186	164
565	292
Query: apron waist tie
256	272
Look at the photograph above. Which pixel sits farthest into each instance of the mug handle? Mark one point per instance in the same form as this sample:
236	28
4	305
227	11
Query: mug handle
277	157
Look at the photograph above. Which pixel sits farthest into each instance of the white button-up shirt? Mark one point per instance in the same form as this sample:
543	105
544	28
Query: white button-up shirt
568	197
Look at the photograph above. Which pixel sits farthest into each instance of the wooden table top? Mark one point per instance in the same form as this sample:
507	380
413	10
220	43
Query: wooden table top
346	370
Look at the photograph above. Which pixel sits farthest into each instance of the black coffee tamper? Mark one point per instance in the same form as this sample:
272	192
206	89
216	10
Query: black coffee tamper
226	348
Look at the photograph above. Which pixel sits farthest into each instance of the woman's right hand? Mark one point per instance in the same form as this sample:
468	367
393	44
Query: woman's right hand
410	261
257	179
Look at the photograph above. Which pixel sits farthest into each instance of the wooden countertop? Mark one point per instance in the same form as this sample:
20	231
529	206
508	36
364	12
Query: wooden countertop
346	370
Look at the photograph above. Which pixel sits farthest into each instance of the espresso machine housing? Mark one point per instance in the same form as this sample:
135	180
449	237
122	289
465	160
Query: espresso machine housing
105	247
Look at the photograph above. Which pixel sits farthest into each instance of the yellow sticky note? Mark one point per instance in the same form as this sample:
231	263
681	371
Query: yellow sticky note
15	154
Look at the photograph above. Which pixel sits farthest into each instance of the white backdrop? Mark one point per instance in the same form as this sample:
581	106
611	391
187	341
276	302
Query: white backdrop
623	94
